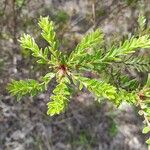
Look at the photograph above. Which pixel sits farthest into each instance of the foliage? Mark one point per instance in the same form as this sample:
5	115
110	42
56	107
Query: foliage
129	2
98	88
127	47
27	42
142	22
30	86
144	103
89	55
59	98
113	130
140	63
19	3
61	17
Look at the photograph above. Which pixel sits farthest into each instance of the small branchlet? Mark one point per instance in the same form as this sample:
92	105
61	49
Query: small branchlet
89	55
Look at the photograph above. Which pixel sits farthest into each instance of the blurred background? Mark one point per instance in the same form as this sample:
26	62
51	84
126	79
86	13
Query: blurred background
86	125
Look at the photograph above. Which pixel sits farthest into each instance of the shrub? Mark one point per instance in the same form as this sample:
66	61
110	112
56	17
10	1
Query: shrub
92	54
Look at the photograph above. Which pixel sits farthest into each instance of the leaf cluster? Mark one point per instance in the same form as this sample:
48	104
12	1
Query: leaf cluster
88	56
144	103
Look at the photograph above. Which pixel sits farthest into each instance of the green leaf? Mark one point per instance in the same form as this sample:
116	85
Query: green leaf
141	63
86	45
27	42
80	86
123	95
47	78
148	81
127	47
22	88
49	34
59	99
148	141
142	22
98	88
19	3
146	130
